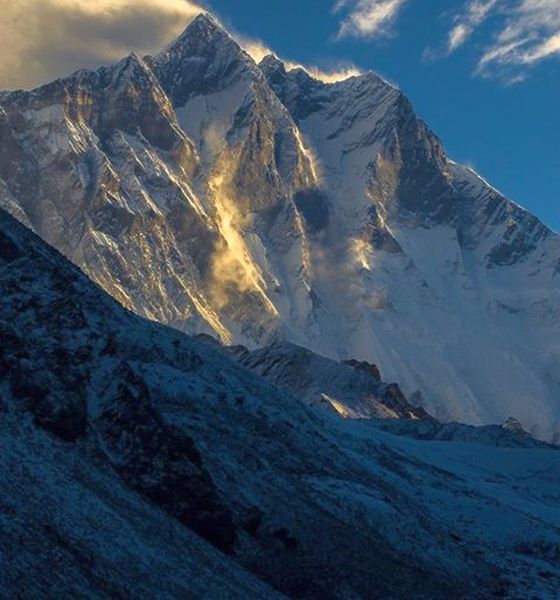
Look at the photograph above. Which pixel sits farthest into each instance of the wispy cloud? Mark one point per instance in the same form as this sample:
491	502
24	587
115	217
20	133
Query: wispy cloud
368	18
475	13
528	32
525	32
256	49
44	39
327	75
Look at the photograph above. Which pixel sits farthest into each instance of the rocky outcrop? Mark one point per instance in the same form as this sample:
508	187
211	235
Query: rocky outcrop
363	365
352	388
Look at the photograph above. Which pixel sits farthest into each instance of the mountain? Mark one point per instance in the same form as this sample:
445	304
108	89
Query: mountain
140	462
258	204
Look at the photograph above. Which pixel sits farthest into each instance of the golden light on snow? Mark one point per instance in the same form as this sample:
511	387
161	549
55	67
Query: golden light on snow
333	76
258	50
313	178
233	268
338	406
361	252
210	316
255	49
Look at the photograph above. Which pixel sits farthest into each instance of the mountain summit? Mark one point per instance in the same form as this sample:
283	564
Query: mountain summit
258	204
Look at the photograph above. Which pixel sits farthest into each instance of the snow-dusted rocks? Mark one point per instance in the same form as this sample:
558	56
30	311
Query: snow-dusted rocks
257	204
353	390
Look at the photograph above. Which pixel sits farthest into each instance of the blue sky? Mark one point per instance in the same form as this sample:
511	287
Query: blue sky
509	132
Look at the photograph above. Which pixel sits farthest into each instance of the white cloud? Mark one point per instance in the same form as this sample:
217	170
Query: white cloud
475	13
528	33
531	33
44	39
256	49
327	76
368	18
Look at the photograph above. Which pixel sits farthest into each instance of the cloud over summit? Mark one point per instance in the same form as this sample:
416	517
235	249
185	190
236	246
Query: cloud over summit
44	39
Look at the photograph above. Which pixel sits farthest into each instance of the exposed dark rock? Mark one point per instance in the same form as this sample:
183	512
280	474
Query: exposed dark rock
393	397
251	520
289	541
8	250
161	462
314	207
368	368
64	415
28	382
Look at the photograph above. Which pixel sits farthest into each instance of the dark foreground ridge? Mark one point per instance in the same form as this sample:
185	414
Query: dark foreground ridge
125	445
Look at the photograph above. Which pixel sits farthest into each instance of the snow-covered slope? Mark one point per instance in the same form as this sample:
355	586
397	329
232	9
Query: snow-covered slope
258	204
121	437
71	529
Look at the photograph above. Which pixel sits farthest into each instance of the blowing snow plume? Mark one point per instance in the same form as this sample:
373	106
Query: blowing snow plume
234	271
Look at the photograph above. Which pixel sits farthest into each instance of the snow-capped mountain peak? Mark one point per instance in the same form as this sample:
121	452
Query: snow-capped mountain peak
204	57
257	203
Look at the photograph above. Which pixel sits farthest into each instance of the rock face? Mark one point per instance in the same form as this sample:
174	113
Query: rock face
121	439
257	204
